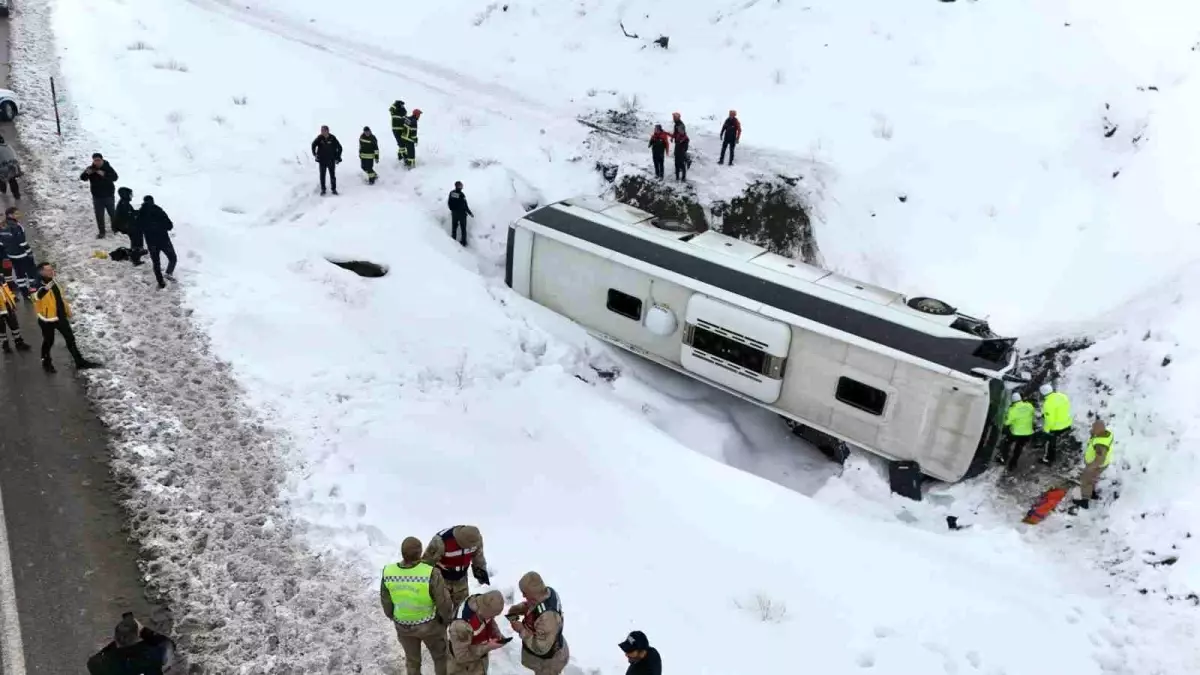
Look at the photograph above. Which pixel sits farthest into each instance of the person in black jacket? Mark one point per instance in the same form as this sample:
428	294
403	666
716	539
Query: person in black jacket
459	210
643	659
125	222
156	227
102	179
731	135
328	152
135	650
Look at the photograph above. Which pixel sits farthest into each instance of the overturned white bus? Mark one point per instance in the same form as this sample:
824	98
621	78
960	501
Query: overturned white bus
910	380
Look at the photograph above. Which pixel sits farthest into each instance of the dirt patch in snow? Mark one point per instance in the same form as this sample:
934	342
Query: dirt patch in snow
363	268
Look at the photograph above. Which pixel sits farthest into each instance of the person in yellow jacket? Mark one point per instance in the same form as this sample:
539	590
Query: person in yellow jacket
399	114
8	320
54	314
1096	457
1018	426
415	599
1056	420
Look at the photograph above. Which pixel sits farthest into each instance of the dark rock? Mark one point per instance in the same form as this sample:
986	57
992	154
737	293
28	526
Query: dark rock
662	200
662	41
609	171
1166	361
362	268
769	214
902	198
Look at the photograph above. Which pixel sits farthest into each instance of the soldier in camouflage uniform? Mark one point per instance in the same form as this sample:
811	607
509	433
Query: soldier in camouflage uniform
539	622
474	635
452	551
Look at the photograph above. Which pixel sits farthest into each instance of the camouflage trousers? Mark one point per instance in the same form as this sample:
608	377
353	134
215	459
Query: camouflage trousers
551	666
433	636
1091	473
459	590
472	667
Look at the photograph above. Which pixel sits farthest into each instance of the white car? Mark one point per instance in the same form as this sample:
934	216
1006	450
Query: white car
8	103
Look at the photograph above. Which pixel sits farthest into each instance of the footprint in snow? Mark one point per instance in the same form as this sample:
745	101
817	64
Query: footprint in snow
866	660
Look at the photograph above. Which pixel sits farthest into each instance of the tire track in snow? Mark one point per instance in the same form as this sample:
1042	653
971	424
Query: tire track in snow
431	76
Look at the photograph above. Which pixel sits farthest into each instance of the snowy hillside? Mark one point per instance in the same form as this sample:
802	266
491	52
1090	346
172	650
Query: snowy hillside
355	412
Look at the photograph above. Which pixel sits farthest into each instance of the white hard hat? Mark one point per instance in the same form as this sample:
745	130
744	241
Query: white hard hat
1016	397
1046	389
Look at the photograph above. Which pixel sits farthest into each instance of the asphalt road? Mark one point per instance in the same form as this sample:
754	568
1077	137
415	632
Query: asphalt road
73	567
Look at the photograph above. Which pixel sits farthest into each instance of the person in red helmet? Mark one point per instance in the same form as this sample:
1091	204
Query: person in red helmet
408	148
731	134
660	146
679	135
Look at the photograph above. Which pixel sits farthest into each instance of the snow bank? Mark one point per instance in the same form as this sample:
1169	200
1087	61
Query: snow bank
358	411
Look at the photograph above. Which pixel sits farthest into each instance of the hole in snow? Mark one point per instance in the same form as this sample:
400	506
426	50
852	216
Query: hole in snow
362	268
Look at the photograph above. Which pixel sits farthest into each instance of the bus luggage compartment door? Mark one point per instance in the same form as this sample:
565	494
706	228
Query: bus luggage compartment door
739	349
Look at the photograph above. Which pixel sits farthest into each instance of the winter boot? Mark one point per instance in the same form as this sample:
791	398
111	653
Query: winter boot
335	191
48	366
86	365
22	345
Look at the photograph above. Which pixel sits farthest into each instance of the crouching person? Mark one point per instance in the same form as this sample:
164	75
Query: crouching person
414	598
474	635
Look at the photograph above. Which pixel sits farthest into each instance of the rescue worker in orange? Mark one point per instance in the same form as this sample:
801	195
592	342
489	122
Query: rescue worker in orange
452	551
539	623
414	598
473	634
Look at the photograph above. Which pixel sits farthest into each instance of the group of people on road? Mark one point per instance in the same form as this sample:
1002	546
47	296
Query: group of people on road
36	284
1056	422
426	597
327	152
660	144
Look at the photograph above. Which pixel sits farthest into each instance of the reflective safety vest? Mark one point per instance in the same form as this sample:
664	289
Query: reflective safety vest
409	132
368	148
1020	419
481	631
1056	412
1089	454
8	299
456	560
45	303
409	589
398	116
550	604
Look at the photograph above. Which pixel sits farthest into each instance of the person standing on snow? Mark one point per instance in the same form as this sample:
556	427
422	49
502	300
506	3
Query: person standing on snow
8	321
414	598
156	227
731	135
1018	425
328	152
102	180
409	136
473	634
643	659
368	152
125	221
399	114
1056	420
10	170
459	210
15	249
539	622
453	551
54	314
1096	457
679	135
660	146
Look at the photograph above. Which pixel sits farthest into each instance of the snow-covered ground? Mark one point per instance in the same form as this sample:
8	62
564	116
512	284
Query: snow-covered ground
354	412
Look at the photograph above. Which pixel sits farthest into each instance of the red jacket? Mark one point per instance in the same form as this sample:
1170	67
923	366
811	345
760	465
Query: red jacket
483	630
661	137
